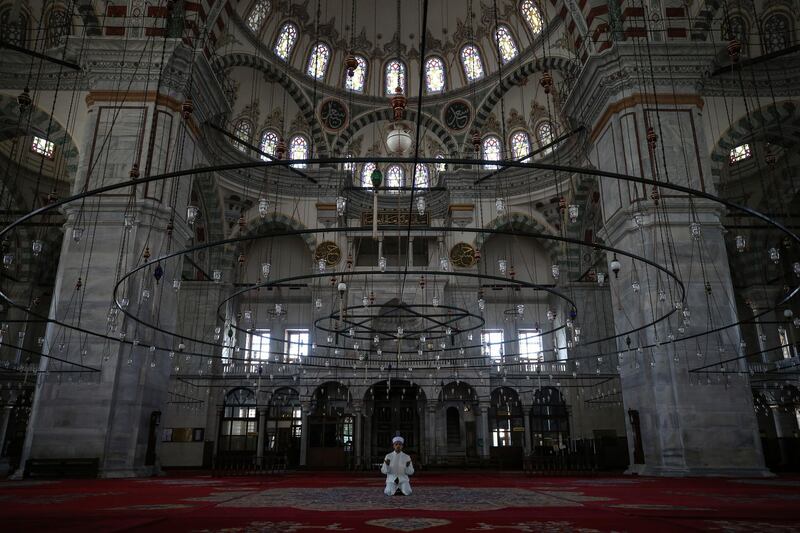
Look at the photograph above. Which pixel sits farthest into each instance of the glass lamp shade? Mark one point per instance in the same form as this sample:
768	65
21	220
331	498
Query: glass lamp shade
398	140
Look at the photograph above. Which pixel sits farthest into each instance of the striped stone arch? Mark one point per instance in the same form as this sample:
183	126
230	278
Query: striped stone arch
561	64
520	221
291	87
37	122
702	21
261	226
775	123
385	113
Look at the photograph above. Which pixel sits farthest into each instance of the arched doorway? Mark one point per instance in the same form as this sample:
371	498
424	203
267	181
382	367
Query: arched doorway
331	427
395	407
238	430
458	414
507	428
283	428
549	421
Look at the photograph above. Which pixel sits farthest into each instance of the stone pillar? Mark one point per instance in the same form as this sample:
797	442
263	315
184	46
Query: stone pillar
686	428
217	429
304	410
5	417
487	438
431	430
367	439
105	414
357	434
526	414
262	428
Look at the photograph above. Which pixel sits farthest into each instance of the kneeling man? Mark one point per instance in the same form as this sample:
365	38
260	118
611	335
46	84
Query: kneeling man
397	467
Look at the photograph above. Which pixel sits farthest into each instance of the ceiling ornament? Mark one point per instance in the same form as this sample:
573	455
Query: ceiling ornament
463	255
329	252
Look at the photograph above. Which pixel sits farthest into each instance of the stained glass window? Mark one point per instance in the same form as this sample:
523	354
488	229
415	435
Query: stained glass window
258	15
505	44
43	147
422	179
394	178
285	42
298	149
440	167
358	79
318	61
395	76
735	27
520	145
13	31
776	33
740	153
471	60
366	174
434	75
532	16
545	133
269	142
242	131
58	27
491	150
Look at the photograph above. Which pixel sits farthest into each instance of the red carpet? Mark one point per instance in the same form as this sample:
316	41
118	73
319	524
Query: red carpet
473	501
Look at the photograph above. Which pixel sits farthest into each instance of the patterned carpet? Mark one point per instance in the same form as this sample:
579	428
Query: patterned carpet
477	501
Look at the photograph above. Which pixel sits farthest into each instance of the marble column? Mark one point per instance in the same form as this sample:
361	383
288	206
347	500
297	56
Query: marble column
431	431
304	410
105	414
357	435
526	414
487	438
262	428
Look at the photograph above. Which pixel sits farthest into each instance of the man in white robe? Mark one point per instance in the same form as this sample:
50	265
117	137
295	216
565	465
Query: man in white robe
397	467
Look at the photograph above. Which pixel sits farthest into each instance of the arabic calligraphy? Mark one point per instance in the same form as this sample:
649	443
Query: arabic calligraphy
333	114
395	218
457	115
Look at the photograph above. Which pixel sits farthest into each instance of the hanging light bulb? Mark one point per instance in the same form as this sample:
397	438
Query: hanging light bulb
444	263
420	205
265	270
635	285
77	234
399	331
556	271
573	211
481	304
615	266
176	285
741	242
796	268
341	205
321	266
500	206
382	263
192	212
638	219
775	255
502	265
662	295
216	275
278	309
263	207
694	230
435	301
551	315
365	301
8	259
520	309
36	247
318	303
601	278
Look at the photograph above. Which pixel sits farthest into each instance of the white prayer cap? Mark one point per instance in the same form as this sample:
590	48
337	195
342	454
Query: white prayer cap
398	439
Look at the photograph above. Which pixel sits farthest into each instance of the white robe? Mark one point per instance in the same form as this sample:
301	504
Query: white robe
397	473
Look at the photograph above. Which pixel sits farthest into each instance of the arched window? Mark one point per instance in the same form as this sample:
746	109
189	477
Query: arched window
520	145
505	44
287	37
318	61
366	174
735	27
394	178
532	16
422	178
13	31
491	150
440	167
434	75
472	63
777	30
395	76
545	134
298	149
58	27
269	142
239	431
258	15
242	131
357	81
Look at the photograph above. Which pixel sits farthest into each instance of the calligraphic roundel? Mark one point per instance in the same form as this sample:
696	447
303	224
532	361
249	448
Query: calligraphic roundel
457	115
333	114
